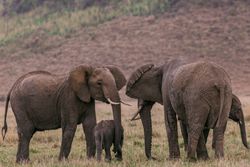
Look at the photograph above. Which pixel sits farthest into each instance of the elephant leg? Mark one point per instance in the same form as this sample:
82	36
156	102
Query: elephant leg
107	153
25	130
24	137
201	148
171	126
196	126
218	141
184	134
88	124
194	134
68	133
69	124
98	142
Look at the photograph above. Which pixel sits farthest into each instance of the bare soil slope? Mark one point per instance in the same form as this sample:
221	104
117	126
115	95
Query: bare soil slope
219	34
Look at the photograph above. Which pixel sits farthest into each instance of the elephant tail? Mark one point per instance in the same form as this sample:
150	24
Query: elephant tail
222	99
5	126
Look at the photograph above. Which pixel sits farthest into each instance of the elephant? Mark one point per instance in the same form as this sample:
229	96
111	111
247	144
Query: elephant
104	138
198	93
42	101
236	114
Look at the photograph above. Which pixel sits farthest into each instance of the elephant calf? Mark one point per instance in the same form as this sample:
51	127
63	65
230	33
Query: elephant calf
104	138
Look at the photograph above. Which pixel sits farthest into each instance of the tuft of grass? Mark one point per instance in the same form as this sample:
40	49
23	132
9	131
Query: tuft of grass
65	22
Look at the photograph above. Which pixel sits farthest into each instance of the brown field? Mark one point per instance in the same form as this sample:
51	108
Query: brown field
219	35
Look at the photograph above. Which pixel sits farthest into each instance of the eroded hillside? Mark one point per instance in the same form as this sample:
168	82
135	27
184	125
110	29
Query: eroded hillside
220	34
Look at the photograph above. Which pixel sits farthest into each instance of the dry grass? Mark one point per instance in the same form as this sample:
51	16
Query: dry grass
45	146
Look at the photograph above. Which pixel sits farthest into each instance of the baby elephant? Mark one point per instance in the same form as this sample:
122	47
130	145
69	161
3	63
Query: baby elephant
104	137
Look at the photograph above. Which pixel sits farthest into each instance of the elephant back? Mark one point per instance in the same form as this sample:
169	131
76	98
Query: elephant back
200	76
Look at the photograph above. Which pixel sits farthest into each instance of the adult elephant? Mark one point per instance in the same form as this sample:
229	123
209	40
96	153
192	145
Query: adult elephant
236	114
198	93
43	101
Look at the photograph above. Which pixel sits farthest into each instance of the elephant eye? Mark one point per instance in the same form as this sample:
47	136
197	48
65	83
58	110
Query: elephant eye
99	83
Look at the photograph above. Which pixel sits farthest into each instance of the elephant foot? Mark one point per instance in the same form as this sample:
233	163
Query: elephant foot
151	158
91	156
22	160
219	155
108	160
175	156
62	158
202	155
191	159
118	156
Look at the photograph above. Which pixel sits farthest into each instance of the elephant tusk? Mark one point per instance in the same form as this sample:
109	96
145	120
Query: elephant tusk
125	103
240	122
112	102
136	118
135	115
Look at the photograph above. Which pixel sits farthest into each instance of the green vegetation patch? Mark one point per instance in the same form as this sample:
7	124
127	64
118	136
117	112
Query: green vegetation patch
69	20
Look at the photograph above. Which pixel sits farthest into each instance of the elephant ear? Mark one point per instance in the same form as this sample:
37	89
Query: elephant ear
78	79
236	101
119	77
137	75
235	108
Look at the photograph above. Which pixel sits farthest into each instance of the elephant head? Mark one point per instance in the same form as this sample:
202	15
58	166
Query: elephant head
145	83
236	114
102	83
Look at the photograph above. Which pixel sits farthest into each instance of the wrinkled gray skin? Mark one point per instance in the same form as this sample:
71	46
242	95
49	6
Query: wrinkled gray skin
198	93
236	114
104	138
43	101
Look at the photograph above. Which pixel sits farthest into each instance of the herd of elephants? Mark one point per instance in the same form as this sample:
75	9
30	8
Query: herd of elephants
198	94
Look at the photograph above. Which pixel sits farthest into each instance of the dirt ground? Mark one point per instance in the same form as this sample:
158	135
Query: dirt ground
217	34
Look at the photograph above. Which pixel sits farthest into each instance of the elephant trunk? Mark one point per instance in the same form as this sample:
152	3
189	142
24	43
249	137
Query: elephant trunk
118	128
243	134
238	116
112	94
145	115
243	130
